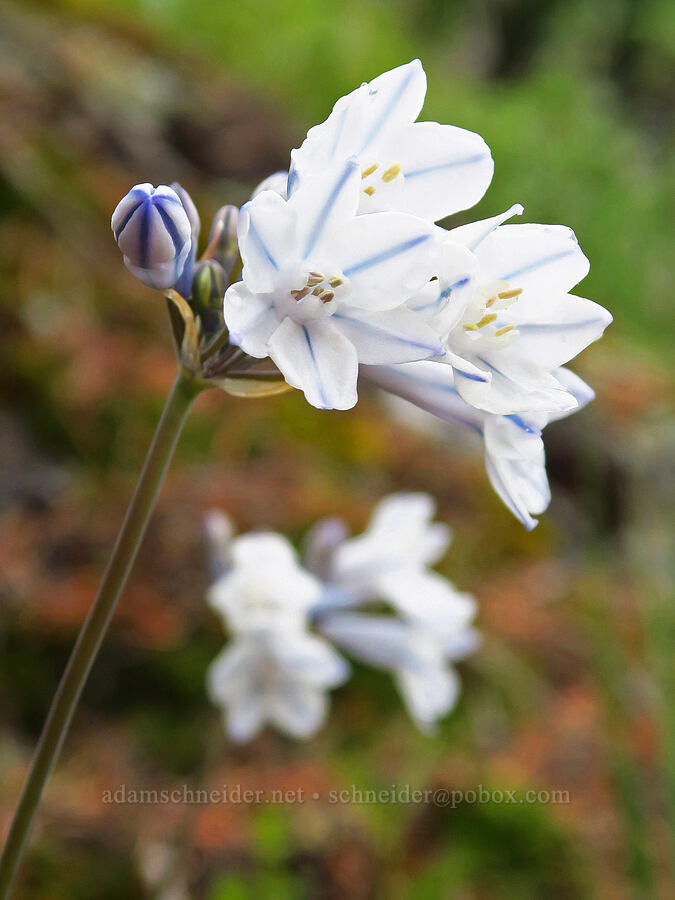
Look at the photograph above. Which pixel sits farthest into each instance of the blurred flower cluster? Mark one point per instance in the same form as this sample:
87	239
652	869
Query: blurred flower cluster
373	596
339	276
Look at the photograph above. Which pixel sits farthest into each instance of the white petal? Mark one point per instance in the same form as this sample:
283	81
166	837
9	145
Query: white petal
276	182
538	258
245	718
267	240
310	659
430	386
429	694
516	385
474	233
387	257
381	641
428	599
582	392
298	709
251	318
445	169
324	204
392	336
555	328
362	120
318	360
443	300
406	518
228	673
516	465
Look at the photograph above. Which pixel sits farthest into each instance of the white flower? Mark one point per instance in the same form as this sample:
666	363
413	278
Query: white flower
423	168
418	658
517	322
324	289
154	232
514	450
264	588
275	677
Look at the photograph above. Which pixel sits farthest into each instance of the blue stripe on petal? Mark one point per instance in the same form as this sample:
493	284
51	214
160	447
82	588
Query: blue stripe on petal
293	179
470	375
322	392
554	326
125	221
440	167
384	255
338	132
537	264
387	111
434	350
144	234
258	241
521	423
331	200
443	295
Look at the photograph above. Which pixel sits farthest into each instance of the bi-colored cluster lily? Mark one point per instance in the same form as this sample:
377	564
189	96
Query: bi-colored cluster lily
287	616
345	279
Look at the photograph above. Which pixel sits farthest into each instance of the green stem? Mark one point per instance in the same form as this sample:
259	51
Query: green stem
96	624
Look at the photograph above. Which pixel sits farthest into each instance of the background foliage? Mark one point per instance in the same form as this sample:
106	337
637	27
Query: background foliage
573	687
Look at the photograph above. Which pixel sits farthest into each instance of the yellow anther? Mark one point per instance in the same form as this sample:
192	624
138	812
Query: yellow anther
506	295
369	170
391	173
491	300
314	278
490	317
504	330
300	294
369	190
470	327
318	291
326	296
335	282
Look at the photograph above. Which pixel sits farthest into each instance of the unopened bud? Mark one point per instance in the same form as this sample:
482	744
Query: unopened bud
184	283
223	245
153	231
209	283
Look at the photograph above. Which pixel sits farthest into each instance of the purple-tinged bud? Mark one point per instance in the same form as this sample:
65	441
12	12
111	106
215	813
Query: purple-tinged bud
184	283
223	245
153	231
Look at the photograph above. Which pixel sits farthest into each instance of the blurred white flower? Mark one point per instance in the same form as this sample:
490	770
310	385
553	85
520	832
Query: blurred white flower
323	289
423	168
417	656
277	671
154	232
264	586
275	677
514	450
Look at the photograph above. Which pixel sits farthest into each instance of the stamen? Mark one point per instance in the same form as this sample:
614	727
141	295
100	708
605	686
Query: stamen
470	327
300	294
314	278
391	172
370	190
369	170
317	291
504	330
506	295
490	317
326	296
335	282
489	302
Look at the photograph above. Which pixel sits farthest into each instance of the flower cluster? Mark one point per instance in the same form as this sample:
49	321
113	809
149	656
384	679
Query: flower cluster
346	279
285	617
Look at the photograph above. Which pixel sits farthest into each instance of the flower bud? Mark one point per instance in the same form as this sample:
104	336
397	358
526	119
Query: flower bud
153	231
209	283
184	283
223	245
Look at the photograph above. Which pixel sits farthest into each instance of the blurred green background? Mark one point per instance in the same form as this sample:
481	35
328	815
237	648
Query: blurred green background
573	688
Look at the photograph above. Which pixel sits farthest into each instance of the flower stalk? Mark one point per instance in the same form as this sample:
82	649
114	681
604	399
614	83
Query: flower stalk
152	476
